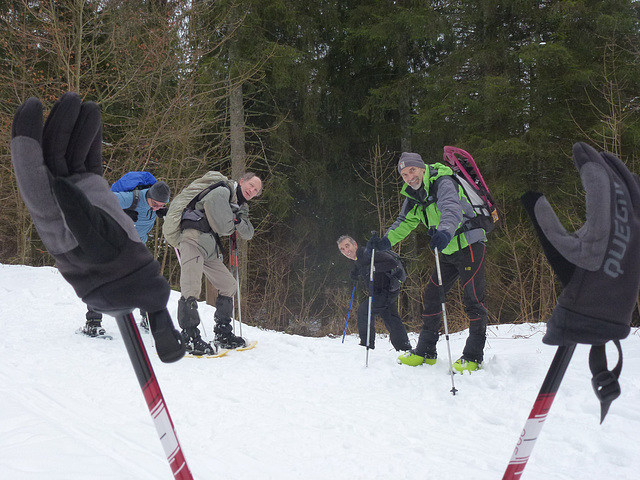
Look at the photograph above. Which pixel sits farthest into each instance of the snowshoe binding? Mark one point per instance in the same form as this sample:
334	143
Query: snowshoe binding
194	345
93	328
229	340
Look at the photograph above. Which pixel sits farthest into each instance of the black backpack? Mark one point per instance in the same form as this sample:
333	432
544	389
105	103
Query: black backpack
399	272
197	219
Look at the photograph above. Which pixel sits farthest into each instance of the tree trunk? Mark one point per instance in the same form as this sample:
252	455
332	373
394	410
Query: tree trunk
237	140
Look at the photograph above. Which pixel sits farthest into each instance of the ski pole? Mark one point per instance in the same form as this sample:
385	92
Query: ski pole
444	317
348	313
371	270
153	396
539	412
234	249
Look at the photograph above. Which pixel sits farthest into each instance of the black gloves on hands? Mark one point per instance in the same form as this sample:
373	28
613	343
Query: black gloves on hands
96	247
598	265
378	244
240	212
440	239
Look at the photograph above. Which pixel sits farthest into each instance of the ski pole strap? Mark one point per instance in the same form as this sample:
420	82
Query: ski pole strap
605	382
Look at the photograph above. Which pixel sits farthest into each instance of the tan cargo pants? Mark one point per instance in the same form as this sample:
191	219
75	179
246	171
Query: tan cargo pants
195	262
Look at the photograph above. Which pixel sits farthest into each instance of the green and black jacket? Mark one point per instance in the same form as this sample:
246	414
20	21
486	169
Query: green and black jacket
440	204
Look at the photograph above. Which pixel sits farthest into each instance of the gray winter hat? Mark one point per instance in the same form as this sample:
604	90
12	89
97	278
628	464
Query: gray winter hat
408	159
159	192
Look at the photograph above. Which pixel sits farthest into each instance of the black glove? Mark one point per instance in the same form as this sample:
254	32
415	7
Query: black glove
598	265
94	243
239	212
162	212
378	244
355	274
440	240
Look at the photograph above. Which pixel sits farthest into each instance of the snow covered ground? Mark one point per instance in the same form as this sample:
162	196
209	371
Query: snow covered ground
292	408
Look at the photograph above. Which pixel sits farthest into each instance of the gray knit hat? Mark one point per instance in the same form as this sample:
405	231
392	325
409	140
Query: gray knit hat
159	192
408	159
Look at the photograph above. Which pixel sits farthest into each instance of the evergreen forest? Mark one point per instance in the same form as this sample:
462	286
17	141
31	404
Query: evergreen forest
320	98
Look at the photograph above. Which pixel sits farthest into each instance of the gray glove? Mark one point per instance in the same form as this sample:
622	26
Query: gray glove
599	264
94	243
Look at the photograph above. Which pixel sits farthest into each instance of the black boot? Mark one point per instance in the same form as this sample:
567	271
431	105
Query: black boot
224	336
195	345
93	326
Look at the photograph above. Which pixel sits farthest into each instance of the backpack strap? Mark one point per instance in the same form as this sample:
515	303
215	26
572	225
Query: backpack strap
131	209
205	227
399	272
469	224
136	200
205	192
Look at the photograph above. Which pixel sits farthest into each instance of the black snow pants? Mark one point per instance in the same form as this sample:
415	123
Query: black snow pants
383	305
467	265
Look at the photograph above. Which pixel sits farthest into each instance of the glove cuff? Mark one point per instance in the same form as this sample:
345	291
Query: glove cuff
144	288
566	327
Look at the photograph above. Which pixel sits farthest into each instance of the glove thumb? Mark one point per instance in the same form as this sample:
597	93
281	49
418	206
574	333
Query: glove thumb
99	236
561	266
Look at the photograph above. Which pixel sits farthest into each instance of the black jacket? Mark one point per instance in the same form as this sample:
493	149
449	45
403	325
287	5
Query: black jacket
385	266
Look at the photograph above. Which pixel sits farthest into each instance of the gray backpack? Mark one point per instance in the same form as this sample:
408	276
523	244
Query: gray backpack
171	227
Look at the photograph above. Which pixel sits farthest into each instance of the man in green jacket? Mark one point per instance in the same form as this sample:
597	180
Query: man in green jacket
436	200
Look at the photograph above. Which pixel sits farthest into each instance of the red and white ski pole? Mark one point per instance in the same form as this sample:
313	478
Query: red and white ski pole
233	244
152	394
539	412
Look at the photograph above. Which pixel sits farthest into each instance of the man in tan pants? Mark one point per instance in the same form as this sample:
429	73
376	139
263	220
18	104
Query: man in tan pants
218	207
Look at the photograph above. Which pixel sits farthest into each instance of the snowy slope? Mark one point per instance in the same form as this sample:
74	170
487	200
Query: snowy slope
293	408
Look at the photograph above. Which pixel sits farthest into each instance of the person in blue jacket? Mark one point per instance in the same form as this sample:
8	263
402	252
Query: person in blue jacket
144	213
143	206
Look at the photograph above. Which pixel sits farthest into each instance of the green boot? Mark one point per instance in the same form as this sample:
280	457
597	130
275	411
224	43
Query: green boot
461	365
413	360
